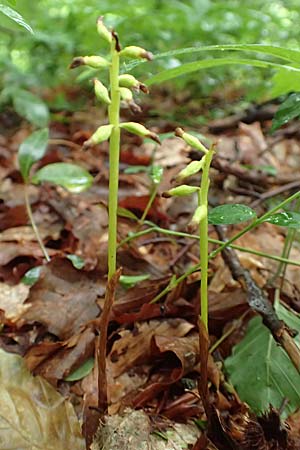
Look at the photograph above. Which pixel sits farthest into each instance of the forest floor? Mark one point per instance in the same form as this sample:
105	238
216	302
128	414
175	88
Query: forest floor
153	347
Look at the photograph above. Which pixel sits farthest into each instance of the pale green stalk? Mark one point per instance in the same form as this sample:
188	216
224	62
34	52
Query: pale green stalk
203	233
114	152
32	222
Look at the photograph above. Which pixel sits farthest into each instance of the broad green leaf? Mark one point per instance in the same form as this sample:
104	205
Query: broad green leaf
32	275
129	281
77	261
183	69
284	82
15	16
288	110
287	219
156	173
73	178
32	150
31	107
261	371
33	415
230	214
82	371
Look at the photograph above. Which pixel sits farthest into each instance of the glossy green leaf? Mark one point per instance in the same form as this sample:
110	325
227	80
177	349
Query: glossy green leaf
288	110
77	261
261	371
230	214
32	150
156	173
82	371
31	107
183	69
15	16
129	281
287	219
73	178
32	276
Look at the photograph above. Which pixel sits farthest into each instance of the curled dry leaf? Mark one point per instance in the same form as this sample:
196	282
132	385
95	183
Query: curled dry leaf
33	415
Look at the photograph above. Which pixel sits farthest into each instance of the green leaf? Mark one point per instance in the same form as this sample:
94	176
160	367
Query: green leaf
77	261
15	16
73	178
156	173
261	371
292	56
123	212
129	281
82	371
32	276
32	150
284	82
135	169
230	214
287	219
33	415
31	107
183	69
288	110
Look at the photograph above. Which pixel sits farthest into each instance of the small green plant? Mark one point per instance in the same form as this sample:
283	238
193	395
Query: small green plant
120	88
70	176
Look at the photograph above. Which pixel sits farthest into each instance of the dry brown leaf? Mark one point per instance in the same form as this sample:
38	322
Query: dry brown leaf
12	300
33	416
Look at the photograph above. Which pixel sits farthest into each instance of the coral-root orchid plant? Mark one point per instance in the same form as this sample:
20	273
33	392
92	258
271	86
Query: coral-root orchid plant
120	88
200	217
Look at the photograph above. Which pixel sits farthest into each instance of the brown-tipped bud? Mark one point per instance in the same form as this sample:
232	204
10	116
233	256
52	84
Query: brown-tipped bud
181	191
101	92
191	169
190	140
136	52
101	134
96	62
127	97
140	130
199	215
130	82
126	94
103	31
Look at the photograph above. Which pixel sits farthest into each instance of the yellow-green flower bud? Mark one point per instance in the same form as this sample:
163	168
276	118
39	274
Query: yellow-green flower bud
190	140
190	169
199	215
96	62
101	92
103	31
181	191
126	94
101	134
129	81
136	52
140	130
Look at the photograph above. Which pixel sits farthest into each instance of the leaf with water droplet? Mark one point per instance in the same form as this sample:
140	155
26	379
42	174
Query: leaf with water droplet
230	214
288	110
287	219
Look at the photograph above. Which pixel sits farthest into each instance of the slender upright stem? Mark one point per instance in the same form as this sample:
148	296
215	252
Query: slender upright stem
114	152
32	222
203	233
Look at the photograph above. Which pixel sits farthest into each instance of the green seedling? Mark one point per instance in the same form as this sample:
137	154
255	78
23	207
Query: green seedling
120	89
71	177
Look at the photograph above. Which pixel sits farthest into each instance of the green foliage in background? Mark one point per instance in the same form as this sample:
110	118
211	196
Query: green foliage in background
62	29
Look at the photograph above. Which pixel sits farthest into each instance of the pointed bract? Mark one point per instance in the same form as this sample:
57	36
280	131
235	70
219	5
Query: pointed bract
181	191
190	140
140	130
136	52
101	134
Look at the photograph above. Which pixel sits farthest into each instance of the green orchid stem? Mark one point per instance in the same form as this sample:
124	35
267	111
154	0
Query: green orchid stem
203	234
149	204
32	222
114	153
